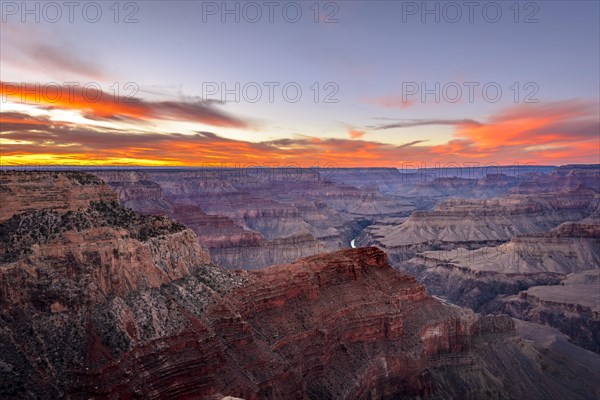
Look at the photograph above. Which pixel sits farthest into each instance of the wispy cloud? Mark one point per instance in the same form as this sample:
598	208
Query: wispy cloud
554	133
99	105
411	123
33	49
551	124
71	142
64	59
355	133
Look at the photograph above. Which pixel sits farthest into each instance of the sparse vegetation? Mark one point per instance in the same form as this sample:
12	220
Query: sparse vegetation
22	231
82	178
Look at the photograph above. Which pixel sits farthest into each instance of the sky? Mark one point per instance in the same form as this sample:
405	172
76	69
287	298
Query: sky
304	83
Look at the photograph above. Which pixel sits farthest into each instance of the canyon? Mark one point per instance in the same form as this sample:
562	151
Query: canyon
472	236
477	252
152	284
255	218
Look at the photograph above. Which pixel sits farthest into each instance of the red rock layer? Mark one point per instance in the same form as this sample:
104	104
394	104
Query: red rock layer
59	191
129	308
341	326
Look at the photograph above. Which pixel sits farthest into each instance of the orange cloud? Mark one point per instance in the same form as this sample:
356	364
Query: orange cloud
94	103
557	124
557	133
355	133
73	144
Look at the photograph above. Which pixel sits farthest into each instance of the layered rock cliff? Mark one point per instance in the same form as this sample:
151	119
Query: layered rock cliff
108	303
476	252
342	326
251	218
475	223
564	179
573	307
90	248
59	191
473	278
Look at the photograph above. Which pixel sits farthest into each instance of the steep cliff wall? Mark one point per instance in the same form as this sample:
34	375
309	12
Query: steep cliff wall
100	302
21	191
254	218
572	307
461	221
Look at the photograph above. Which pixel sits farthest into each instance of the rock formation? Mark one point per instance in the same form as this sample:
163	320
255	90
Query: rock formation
476	252
573	307
23	191
254	218
474	277
102	302
476	223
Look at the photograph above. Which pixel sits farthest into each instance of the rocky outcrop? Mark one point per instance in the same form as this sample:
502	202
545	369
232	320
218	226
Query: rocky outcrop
128	307
564	179
572	307
88	249
383	180
489	186
440	182
59	191
473	223
344	326
473	278
469	288
571	247
486	254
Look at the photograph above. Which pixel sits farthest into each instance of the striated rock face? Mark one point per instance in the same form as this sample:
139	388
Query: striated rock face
489	186
21	191
573	307
469	288
478	253
237	213
86	249
471	251
480	222
384	180
255	218
475	277
563	179
106	303
343	326
415	180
